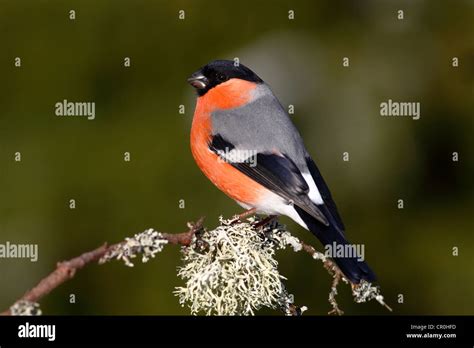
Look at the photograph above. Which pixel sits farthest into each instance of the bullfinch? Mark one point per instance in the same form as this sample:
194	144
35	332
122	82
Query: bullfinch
245	143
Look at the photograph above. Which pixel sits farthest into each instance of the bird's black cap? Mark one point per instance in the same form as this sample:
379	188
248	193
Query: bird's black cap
219	71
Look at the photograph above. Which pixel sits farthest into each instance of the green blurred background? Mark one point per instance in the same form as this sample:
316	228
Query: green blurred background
336	110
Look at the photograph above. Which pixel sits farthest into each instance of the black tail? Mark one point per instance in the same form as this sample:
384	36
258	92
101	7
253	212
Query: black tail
353	268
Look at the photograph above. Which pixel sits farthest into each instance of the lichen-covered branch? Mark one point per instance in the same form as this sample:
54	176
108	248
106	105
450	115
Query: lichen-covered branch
65	270
362	292
235	273
230	270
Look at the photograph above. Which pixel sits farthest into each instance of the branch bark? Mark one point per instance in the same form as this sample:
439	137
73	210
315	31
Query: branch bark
67	269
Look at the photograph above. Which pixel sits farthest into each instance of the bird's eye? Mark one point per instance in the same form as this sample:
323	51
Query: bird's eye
221	77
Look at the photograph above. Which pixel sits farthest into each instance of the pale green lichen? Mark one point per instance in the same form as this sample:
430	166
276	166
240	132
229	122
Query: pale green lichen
365	292
237	273
147	243
25	308
232	270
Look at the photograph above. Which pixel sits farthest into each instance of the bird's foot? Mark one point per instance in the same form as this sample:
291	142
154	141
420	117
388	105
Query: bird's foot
265	221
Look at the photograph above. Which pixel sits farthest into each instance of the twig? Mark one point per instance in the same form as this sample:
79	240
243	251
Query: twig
334	271
332	295
184	238
67	269
64	271
241	216
362	292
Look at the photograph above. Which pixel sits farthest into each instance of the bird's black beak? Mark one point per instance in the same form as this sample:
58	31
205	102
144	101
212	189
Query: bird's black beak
198	80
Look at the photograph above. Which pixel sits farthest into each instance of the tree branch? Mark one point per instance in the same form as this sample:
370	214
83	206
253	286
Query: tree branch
361	292
67	269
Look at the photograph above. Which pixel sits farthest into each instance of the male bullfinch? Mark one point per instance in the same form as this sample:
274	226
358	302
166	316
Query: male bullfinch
237	114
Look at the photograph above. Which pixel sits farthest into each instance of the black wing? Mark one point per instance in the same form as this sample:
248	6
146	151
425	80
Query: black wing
276	172
330	209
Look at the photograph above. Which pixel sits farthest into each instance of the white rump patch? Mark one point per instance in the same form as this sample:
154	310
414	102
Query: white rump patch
313	194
